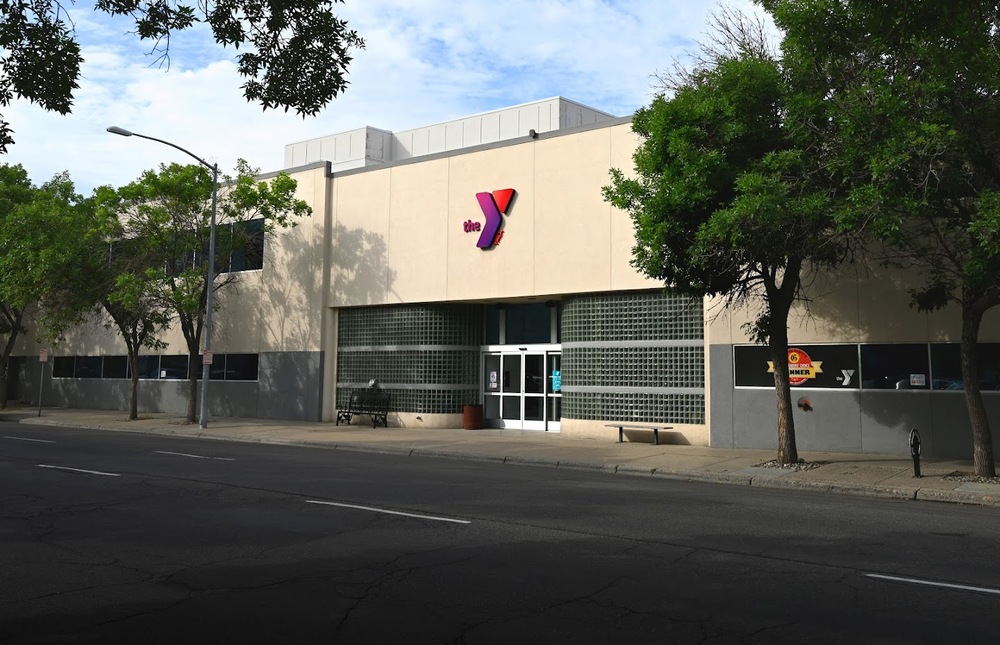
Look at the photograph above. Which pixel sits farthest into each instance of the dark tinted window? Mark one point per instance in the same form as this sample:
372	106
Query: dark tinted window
895	367
174	367
493	325
62	366
241	367
529	324
88	367
247	245
149	367
116	367
946	364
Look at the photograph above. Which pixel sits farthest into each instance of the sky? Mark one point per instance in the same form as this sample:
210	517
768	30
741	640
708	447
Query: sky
425	62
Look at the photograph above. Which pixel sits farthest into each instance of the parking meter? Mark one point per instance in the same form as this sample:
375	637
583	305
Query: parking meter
915	451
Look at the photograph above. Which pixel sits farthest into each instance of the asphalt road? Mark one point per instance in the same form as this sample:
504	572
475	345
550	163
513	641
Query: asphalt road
109	537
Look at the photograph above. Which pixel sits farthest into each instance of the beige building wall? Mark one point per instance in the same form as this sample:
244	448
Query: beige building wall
862	304
399	235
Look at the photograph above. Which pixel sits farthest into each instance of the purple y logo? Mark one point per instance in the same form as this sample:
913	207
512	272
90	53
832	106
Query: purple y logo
493	205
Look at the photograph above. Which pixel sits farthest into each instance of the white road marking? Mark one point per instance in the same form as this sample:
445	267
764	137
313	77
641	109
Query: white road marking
79	470
930	583
184	454
26	439
387	512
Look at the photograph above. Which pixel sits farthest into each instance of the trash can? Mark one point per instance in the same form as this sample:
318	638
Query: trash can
473	417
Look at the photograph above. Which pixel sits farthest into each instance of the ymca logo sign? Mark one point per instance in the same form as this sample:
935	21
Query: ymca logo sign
494	206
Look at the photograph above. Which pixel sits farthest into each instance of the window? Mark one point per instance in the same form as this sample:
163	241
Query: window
115	367
241	367
62	367
149	367
493	313
830	366
895	367
245	242
87	367
174	367
252	233
946	366
229	367
529	324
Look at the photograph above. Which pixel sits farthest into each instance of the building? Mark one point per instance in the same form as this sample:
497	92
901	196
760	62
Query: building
475	262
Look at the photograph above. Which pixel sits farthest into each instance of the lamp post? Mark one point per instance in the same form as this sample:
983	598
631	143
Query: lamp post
210	282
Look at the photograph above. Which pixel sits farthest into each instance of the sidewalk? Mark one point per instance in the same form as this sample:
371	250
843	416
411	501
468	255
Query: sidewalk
846	473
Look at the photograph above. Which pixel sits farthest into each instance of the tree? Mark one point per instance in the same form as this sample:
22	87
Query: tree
912	94
44	255
15	192
295	52
726	201
166	217
124	283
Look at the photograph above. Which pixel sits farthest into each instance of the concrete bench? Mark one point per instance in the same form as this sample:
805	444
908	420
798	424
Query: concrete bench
622	427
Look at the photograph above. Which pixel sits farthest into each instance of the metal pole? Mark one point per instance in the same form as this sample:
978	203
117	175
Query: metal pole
41	380
206	367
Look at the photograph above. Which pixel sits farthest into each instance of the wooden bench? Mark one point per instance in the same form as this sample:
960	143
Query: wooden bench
622	427
370	401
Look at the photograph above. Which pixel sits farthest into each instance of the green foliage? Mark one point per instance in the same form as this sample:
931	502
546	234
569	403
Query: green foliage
294	54
911	98
166	216
45	255
724	197
39	58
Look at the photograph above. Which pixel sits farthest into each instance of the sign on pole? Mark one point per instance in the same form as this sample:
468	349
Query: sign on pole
43	355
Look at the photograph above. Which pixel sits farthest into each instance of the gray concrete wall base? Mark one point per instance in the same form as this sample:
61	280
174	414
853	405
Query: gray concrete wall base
288	387
862	421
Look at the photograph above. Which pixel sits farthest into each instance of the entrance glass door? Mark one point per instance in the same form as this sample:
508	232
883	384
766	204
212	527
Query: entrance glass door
521	389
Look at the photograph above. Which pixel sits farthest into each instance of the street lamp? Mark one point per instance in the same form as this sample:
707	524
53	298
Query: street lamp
205	366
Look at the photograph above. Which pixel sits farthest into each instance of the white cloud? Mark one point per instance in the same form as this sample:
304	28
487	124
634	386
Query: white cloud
426	61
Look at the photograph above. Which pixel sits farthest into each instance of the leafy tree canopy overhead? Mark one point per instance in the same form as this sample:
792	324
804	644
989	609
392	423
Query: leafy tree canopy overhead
293	53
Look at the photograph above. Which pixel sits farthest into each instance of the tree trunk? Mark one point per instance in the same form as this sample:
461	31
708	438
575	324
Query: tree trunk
779	303
4	362
133	406
192	406
14	320
982	439
778	346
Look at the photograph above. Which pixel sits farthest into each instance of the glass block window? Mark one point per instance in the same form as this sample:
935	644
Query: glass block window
426	355
421	401
639	407
614	343
635	366
411	325
632	316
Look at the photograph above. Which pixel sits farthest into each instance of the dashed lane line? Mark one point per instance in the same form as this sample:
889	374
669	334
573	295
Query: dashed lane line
931	583
79	470
388	512
33	440
185	454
